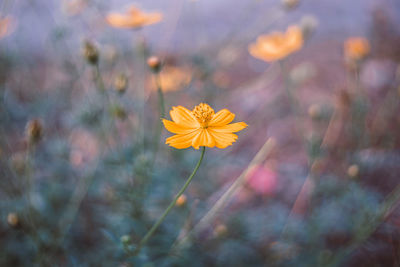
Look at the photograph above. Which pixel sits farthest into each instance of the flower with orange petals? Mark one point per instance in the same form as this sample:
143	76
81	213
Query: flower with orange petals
356	48
172	78
277	45
133	18
202	127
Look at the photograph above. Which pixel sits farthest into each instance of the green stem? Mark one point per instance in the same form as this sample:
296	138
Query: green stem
171	205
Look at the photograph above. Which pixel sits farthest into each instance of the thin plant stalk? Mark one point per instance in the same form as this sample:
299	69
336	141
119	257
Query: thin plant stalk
29	173
161	103
387	207
171	205
161	107
288	90
98	79
260	157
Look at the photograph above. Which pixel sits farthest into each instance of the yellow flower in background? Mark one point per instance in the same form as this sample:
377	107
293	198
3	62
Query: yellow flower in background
356	48
277	45
6	26
202	127
133	18
172	78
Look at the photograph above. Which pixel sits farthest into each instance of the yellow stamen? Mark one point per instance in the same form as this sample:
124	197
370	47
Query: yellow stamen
203	113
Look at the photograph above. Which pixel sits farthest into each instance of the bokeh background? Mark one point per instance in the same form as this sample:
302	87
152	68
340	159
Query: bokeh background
323	191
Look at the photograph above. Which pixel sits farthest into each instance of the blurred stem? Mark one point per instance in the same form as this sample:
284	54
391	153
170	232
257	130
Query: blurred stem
99	79
161	108
292	99
171	205
161	104
390	203
29	172
221	203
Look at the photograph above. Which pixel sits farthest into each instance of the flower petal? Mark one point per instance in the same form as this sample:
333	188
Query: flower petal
203	139
221	118
181	141
230	128
118	20
184	117
222	140
177	128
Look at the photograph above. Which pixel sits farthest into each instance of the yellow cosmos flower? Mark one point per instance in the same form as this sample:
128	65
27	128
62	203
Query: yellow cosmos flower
356	48
134	18
202	127
277	45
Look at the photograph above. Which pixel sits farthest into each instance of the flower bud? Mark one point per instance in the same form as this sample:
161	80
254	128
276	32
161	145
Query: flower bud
220	230
34	131
308	24
181	200
118	112
12	219
90	53
121	83
353	171
314	111
154	63
125	239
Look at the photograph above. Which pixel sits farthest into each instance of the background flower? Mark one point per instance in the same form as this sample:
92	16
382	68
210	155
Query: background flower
277	45
133	18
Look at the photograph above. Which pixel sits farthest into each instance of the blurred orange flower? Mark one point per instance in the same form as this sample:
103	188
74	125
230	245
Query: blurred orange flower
277	45
6	26
356	48
202	127
133	18
172	78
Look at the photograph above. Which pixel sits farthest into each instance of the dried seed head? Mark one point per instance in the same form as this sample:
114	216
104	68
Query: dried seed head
90	53
121	83
12	219
118	112
34	131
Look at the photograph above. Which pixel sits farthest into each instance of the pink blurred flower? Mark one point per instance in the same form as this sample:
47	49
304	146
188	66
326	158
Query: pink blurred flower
262	180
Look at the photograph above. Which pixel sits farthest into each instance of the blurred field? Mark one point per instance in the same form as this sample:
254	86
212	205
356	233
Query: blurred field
85	172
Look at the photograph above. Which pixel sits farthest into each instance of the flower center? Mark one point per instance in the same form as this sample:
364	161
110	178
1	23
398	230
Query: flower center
203	113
